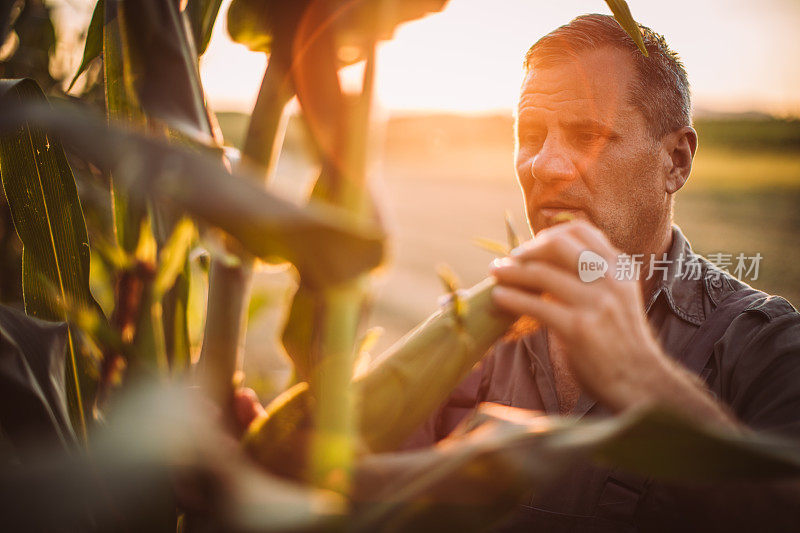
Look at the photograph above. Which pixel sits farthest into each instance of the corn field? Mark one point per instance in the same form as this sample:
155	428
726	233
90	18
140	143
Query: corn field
114	418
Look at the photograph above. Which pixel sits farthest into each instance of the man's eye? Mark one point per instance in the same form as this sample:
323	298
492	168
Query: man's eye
587	137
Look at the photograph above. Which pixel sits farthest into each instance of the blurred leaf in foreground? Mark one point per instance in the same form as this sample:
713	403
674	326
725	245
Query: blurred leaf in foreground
471	479
325	244
159	447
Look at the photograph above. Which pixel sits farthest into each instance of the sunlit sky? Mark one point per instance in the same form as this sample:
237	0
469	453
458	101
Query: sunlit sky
740	54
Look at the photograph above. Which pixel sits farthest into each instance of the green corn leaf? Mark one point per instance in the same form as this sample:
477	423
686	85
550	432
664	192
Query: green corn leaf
255	23
121	103
667	445
121	106
32	388
299	336
149	342
41	192
259	23
94	40
94	325
161	73
171	286
172	257
326	244
176	321
202	14
623	15
360	24
162	66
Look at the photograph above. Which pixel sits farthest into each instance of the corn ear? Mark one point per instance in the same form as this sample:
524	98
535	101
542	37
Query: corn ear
405	385
413	377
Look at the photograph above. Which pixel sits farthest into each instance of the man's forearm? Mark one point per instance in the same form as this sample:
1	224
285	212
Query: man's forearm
658	380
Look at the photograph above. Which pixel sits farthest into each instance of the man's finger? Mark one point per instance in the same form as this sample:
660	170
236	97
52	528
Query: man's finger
548	311
561	250
541	277
246	406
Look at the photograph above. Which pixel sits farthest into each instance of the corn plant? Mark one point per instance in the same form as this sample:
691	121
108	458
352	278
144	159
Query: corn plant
112	393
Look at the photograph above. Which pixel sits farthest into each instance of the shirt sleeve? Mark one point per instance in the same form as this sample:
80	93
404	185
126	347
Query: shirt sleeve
761	369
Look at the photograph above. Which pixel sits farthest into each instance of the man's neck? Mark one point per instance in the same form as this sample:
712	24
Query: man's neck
659	249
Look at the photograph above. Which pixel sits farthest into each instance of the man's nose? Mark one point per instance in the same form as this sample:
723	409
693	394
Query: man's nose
552	163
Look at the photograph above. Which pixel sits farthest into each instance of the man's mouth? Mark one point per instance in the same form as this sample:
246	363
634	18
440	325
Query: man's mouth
550	212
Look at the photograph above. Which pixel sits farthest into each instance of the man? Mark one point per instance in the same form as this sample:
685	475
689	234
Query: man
604	137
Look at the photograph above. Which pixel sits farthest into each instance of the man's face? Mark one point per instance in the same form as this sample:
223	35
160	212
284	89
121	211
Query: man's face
584	149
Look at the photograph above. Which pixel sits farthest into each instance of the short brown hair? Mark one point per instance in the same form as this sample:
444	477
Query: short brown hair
661	91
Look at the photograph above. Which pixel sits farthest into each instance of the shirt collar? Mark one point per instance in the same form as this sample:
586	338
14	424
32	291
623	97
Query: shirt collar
681	279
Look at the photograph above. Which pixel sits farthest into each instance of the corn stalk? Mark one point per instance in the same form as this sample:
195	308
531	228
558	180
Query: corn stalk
339	125
230	283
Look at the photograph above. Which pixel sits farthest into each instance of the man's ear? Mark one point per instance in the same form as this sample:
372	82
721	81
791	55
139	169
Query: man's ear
680	146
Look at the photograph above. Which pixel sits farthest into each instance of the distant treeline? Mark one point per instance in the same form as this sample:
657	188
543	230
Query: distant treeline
750	134
435	132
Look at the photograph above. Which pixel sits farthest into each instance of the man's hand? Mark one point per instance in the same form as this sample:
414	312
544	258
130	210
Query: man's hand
246	407
611	350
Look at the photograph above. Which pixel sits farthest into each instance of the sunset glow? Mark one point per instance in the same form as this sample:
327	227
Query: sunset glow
467	59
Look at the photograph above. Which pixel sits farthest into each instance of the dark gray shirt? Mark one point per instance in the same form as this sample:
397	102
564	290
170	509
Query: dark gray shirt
754	369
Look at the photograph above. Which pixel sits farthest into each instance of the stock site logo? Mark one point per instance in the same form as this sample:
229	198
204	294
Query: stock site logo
591	266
